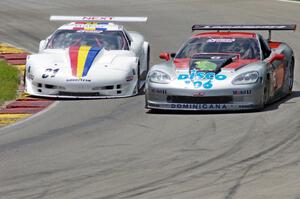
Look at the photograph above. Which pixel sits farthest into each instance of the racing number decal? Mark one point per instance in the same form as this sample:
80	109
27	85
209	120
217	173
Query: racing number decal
49	72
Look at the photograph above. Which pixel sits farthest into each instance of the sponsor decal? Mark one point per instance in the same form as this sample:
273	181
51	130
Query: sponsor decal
242	92
198	94
96	18
205	65
78	80
82	59
50	73
129	78
91	31
220	40
201	79
159	91
199	106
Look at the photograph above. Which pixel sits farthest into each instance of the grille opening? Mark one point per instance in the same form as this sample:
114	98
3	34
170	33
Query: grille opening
39	85
119	92
79	94
109	87
49	86
200	100
39	90
118	86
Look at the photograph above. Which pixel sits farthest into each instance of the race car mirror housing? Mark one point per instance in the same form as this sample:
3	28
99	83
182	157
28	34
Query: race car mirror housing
165	56
42	45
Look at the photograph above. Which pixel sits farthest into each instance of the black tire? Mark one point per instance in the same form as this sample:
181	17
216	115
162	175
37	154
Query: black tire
148	59
138	80
24	79
291	76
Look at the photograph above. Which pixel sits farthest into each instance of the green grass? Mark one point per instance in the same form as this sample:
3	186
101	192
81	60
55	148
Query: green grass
9	82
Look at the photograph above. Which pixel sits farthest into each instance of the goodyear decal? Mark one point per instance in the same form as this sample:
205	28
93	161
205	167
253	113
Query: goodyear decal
82	58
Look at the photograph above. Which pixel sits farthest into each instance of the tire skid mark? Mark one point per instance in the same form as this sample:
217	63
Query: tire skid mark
237	185
289	142
189	168
232	150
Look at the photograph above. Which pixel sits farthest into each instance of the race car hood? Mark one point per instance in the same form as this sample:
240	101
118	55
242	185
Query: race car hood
205	71
184	63
81	61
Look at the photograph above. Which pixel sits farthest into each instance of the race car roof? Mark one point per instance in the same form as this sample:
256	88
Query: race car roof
226	34
90	26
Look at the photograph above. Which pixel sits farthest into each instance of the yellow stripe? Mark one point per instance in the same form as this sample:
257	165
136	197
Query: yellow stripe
13	116
82	55
6	122
21	66
90	28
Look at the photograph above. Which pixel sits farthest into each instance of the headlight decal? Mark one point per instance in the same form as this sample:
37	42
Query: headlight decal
159	77
250	77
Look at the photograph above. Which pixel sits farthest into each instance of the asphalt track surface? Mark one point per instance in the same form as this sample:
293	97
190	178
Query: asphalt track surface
107	149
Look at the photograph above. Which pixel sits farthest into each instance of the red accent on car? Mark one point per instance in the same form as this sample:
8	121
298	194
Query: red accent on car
165	56
226	34
276	57
274	44
73	53
182	63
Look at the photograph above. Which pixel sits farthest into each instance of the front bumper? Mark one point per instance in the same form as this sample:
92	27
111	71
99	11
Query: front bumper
83	90
234	97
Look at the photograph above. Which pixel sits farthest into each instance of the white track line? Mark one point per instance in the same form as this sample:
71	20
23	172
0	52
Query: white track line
289	1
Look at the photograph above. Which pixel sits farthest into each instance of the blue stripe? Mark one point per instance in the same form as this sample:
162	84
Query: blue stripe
90	59
101	29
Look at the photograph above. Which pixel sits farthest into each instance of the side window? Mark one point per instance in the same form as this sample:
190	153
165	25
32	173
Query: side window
266	51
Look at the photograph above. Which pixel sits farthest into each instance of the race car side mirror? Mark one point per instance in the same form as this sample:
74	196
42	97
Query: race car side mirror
165	56
277	57
42	45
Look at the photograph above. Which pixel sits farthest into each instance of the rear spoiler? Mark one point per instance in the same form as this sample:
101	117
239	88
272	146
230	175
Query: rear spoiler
98	18
258	27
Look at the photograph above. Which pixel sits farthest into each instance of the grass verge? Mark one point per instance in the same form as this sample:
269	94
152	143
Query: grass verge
9	82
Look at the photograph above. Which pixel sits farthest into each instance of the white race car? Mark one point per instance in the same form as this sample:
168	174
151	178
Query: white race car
91	57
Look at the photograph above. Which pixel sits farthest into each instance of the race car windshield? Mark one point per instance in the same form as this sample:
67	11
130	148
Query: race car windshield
110	40
247	48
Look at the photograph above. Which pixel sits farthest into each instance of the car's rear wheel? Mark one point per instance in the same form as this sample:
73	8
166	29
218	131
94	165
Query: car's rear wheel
291	76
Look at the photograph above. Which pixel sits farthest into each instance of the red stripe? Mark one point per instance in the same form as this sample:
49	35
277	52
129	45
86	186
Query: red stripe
73	53
226	34
78	28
